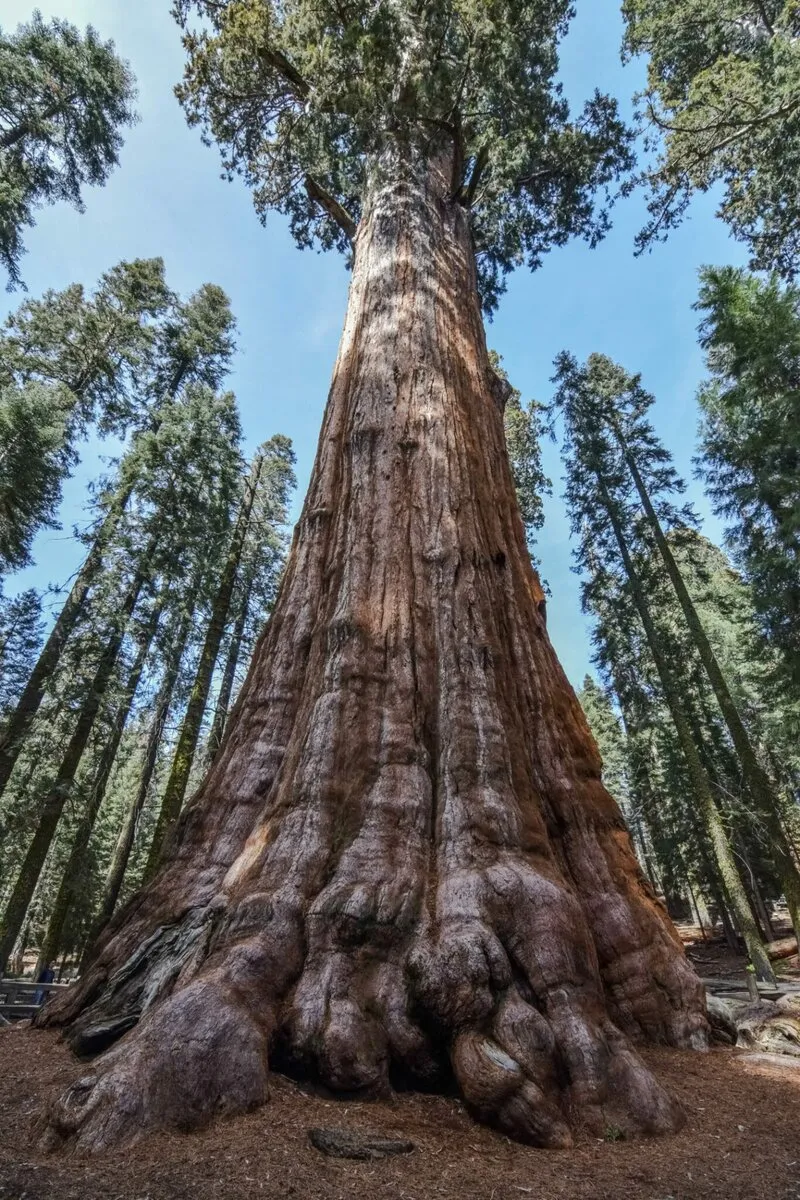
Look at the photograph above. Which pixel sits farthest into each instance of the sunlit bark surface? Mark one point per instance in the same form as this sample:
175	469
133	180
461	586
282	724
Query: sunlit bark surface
403	868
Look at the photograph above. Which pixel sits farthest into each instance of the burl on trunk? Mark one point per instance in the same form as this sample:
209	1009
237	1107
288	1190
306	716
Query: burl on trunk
402	868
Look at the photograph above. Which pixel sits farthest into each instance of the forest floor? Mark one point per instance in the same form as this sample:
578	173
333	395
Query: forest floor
741	1142
713	959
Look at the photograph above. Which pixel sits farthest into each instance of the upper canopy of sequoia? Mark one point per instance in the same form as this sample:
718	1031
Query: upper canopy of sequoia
301	95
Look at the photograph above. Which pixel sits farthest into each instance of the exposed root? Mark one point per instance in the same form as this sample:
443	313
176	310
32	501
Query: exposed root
522	1010
197	1056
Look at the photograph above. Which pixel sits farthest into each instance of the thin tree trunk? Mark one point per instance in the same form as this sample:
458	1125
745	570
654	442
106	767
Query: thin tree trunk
71	879
403	862
20	721
644	857
758	903
641	758
716	882
701	901
793	846
695	907
718	896
17	956
124	844
228	676
24	783
54	803
701	785
757	780
175	790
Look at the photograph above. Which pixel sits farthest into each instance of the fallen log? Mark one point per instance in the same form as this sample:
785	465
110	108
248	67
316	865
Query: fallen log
782	948
353	1143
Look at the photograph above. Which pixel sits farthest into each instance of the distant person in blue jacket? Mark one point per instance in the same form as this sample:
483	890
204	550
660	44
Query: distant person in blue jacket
46	975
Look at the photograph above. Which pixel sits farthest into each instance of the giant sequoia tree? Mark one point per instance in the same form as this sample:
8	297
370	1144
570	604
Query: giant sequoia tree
402	865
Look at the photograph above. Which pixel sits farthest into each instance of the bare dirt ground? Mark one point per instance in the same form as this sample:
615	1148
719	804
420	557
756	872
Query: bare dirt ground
741	1142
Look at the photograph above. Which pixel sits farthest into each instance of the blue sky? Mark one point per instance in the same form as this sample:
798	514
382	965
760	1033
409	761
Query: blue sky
167	199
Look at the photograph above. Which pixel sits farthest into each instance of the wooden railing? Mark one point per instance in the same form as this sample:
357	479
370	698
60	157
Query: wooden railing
20	998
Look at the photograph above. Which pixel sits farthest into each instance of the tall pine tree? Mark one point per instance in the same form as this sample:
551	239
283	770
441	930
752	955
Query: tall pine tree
65	361
750	442
606	516
193	344
186	474
65	98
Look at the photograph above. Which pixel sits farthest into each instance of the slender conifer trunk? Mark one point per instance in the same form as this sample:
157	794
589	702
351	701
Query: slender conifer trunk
701	784
758	782
73	872
53	807
402	864
177	783
229	674
124	844
758	902
18	725
20	721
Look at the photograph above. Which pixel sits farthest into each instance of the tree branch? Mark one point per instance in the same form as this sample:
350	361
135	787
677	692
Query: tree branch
279	62
481	159
339	215
457	166
741	124
767	23
12	136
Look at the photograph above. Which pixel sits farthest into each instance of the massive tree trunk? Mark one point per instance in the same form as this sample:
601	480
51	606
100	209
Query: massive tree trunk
402	866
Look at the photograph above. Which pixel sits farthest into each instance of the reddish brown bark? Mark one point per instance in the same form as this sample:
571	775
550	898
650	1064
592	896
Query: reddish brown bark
402	865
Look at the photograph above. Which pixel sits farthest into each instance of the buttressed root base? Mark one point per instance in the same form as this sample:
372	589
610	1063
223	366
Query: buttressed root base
403	867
